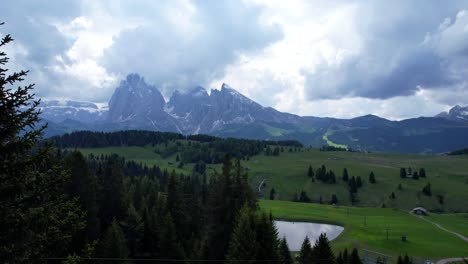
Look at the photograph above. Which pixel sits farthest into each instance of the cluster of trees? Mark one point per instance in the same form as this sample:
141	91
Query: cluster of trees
426	190
304	198
412	174
459	152
195	148
56	204
275	151
238	148
323	175
404	260
332	148
321	252
345	258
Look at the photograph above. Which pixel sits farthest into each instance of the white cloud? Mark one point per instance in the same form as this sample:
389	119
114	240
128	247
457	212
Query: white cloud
324	58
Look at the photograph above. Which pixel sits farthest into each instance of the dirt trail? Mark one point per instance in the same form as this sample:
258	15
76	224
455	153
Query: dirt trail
447	260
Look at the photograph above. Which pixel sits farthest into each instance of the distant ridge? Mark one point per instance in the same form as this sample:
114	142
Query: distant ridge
227	113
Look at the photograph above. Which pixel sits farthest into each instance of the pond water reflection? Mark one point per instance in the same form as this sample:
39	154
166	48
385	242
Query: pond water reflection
295	232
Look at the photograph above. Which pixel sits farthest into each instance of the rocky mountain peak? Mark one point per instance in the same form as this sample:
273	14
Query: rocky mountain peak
456	113
133	96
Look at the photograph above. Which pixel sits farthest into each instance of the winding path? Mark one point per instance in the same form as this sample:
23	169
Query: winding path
443	228
447	260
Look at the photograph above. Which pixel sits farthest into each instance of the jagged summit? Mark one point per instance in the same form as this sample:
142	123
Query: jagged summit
136	104
457	112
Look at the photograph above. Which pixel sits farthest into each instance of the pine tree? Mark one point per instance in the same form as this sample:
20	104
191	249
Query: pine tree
171	248
339	259
114	244
345	176
355	259
242	244
36	219
310	171
83	185
305	254
150	243
266	238
358	182
272	194
334	199
284	253
345	256
422	173
322	252
113	202
400	260
372	177
427	189
402	173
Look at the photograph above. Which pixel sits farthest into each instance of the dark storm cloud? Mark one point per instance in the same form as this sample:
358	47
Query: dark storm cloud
405	46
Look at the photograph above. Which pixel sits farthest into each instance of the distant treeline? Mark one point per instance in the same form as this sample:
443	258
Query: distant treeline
459	152
90	139
208	149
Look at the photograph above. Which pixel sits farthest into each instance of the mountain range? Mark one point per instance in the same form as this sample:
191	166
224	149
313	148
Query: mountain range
227	113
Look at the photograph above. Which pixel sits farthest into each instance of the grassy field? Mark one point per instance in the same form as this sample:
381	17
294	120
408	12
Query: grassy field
287	173
453	222
147	155
365	228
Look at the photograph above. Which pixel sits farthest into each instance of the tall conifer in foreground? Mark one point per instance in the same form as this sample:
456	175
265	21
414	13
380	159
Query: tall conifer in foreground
36	220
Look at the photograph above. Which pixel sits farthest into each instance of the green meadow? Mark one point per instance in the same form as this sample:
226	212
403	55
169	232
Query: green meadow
287	174
365	228
365	223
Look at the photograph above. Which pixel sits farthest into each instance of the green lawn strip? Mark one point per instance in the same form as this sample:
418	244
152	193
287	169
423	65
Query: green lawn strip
423	239
453	222
329	142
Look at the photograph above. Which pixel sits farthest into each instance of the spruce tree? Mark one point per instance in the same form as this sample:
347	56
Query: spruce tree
36	218
310	172
272	193
114	244
242	244
422	173
345	176
402	173
305	254
266	238
113	202
345	256
83	185
339	259
372	177
355	259
171	248
284	253
358	182
322	252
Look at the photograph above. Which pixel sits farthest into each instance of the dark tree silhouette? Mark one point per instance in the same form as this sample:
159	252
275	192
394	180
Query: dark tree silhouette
36	219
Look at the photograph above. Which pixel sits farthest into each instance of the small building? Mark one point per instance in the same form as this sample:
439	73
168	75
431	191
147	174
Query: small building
419	211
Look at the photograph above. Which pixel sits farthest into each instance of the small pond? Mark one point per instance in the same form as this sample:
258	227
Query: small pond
295	232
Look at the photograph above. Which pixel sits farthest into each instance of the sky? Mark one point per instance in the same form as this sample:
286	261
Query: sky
396	59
